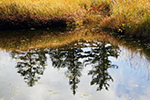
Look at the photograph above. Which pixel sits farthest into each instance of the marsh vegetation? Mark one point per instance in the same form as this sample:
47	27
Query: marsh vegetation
129	17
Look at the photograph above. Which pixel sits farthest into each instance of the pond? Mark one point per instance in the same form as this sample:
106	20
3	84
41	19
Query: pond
78	64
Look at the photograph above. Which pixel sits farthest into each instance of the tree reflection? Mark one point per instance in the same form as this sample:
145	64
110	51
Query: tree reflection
74	57
69	56
95	53
99	59
31	65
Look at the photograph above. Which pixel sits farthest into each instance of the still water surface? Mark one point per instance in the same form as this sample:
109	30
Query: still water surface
77	70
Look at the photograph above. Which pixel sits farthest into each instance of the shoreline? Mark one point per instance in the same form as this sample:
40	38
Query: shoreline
27	39
21	22
132	20
17	22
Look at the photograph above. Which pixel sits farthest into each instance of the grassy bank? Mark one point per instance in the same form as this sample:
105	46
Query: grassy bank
47	13
129	17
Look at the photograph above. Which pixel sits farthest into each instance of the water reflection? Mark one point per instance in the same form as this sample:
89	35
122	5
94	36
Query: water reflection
70	56
31	65
100	61
74	57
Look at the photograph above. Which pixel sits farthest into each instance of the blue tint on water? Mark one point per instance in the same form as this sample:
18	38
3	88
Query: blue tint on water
130	81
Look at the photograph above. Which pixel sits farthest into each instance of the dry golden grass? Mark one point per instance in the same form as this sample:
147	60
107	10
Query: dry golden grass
44	7
131	17
11	11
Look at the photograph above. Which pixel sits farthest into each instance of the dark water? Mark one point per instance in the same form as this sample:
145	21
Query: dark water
77	70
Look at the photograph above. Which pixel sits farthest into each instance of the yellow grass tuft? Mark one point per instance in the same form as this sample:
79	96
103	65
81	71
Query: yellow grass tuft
135	14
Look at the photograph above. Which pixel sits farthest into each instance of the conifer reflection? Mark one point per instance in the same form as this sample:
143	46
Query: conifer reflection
95	53
98	58
68	56
31	65
72	56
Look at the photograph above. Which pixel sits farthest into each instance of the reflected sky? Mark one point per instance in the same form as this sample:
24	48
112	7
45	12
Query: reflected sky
130	81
